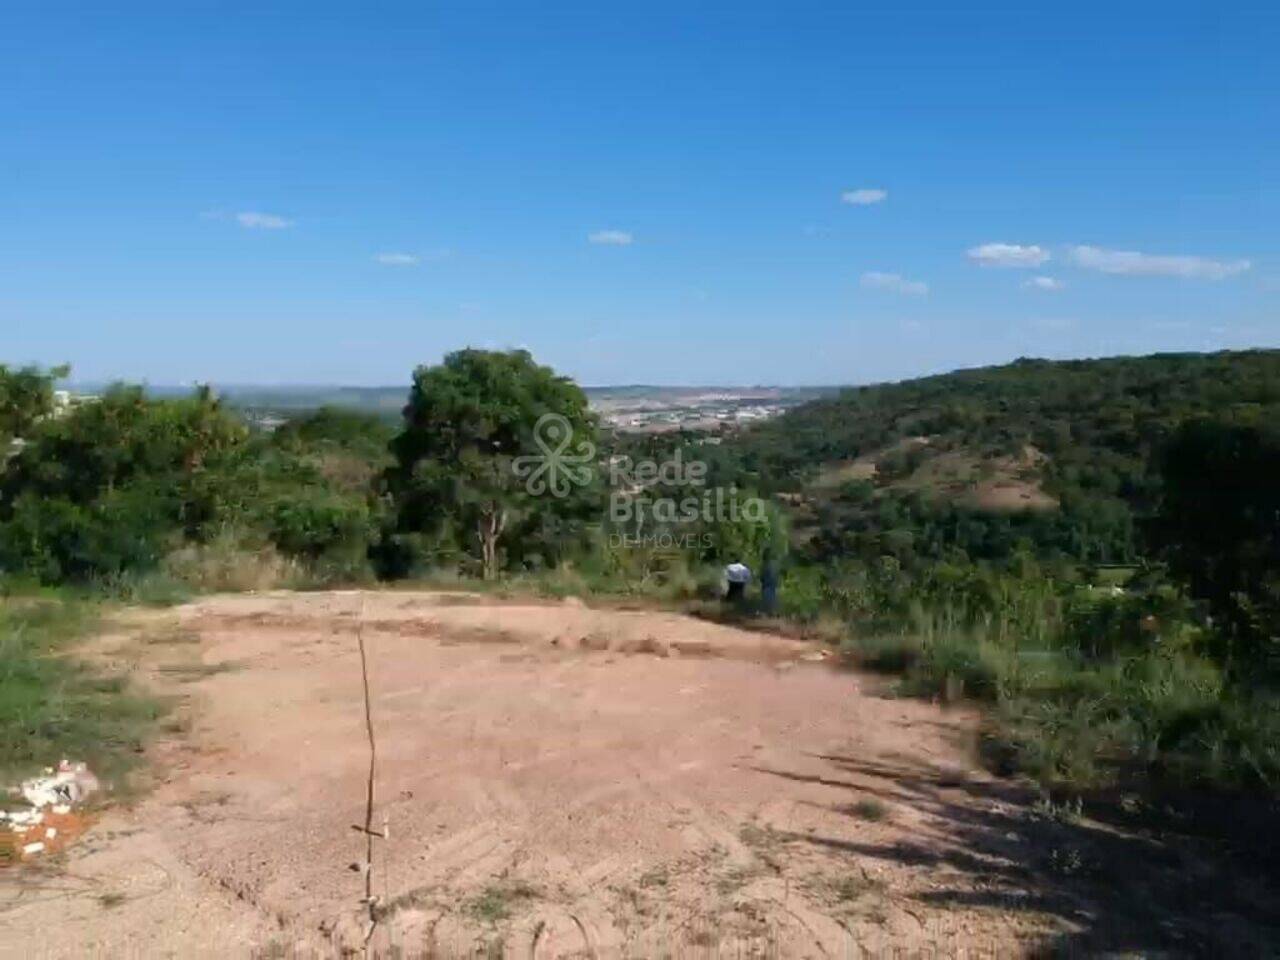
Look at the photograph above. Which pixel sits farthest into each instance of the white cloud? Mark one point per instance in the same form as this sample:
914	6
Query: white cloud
1135	264
875	280
1044	283
262	221
398	259
863	197
1008	255
615	238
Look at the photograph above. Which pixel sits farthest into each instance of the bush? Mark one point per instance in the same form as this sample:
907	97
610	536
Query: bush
230	563
317	524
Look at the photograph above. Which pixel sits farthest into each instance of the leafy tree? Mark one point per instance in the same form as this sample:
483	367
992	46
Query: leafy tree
467	423
104	487
121	437
1219	527
26	395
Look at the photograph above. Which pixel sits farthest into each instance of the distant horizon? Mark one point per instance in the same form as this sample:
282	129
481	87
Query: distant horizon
303	386
338	385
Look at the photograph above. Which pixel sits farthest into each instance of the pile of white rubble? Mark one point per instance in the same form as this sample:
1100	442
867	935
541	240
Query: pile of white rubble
57	791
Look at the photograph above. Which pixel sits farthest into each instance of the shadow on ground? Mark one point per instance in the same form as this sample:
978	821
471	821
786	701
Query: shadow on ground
1120	884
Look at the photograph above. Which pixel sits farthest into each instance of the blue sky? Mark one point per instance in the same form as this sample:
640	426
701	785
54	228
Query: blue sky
642	193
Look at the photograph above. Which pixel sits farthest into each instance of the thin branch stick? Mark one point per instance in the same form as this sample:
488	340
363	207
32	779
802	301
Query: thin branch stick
369	833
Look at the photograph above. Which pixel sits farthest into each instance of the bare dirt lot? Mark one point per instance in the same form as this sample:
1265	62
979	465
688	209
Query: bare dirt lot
556	781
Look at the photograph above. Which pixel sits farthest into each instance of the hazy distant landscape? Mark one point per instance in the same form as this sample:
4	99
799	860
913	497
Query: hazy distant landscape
632	408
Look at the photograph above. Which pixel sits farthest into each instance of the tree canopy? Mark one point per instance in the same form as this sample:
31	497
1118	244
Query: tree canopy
454	482
26	395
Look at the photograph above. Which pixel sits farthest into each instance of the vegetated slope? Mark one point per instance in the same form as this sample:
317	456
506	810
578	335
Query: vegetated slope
939	455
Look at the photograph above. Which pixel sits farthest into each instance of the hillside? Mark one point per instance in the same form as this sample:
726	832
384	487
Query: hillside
1057	452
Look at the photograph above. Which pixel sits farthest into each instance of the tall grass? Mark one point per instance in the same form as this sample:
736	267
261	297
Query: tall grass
1086	701
53	706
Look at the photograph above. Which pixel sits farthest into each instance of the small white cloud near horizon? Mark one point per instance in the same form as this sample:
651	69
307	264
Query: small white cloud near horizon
398	259
1044	283
253	220
864	197
893	282
610	238
1134	264
1008	255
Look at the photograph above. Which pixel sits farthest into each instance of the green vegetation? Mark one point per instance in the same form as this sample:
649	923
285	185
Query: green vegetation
1092	547
495	902
53	707
128	485
456	482
869	808
26	395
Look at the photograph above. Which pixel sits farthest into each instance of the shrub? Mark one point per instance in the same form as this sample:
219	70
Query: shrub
230	563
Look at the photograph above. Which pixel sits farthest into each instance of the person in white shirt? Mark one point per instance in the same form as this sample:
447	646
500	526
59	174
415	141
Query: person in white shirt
737	575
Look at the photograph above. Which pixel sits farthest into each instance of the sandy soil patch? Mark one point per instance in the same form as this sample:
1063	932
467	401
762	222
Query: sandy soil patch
557	781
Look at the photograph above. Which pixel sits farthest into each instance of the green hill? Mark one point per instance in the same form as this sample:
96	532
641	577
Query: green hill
1052	454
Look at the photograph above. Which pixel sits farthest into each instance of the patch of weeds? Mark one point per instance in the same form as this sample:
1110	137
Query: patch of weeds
111	900
850	888
869	808
417	897
152	589
53	705
1066	811
495	902
765	842
1067	861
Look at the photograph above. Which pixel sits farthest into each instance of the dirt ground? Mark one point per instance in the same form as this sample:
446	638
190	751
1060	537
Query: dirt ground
556	781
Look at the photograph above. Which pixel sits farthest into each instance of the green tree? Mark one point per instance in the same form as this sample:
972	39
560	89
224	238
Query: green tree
468	423
104	487
1218	525
26	395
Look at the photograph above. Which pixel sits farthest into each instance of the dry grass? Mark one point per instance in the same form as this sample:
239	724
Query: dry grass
226	566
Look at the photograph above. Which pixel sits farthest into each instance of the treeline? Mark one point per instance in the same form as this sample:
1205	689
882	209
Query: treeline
1097	421
128	491
111	489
